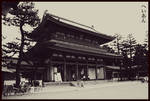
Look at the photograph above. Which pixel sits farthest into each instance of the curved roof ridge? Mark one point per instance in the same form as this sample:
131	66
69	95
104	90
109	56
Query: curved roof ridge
70	21
64	19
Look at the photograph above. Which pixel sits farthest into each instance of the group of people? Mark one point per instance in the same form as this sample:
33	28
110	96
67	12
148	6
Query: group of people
83	77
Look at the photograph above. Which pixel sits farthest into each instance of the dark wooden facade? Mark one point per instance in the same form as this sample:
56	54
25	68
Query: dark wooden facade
72	51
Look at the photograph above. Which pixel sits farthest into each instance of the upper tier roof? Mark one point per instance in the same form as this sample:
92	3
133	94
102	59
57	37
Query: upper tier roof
70	25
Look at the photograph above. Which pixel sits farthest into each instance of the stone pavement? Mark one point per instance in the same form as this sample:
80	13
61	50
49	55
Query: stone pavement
124	87
87	86
76	85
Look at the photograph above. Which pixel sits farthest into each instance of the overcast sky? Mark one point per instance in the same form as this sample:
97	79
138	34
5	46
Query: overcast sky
106	17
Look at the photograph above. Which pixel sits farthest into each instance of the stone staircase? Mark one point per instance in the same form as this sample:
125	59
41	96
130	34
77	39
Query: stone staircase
76	83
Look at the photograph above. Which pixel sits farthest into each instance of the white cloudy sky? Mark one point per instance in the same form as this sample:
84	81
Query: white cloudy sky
107	17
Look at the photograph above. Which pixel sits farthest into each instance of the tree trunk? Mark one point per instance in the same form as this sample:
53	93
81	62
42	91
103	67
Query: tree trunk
130	71
20	57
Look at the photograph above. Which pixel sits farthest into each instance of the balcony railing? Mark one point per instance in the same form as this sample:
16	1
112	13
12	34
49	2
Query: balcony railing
77	41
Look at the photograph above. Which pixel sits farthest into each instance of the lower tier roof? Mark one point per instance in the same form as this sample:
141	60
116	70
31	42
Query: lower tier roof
75	48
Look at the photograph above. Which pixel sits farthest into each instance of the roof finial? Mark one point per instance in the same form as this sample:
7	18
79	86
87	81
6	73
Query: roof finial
92	26
45	12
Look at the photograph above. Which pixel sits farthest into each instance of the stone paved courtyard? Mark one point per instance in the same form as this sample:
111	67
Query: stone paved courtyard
113	90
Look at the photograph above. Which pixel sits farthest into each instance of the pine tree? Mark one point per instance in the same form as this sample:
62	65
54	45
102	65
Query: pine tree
117	43
23	15
128	49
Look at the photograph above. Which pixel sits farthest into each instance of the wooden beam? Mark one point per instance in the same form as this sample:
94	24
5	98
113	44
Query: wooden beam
73	63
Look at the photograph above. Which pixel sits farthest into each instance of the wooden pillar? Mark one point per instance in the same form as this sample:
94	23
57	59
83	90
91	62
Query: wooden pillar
51	70
35	72
87	70
96	71
65	71
48	74
104	68
77	71
44	75
121	73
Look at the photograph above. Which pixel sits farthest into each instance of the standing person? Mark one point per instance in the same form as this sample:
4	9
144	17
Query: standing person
73	77
84	78
82	81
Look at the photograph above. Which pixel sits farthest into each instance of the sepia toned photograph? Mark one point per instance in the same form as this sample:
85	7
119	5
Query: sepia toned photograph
74	50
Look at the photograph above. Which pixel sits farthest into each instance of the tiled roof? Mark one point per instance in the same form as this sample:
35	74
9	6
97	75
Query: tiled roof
75	24
83	48
68	24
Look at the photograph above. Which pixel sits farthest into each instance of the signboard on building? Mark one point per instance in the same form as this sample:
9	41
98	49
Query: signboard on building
58	77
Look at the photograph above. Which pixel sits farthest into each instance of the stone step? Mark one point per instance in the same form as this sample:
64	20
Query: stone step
75	83
57	84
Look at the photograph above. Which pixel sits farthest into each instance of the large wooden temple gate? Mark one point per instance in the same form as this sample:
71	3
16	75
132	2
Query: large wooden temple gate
72	52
